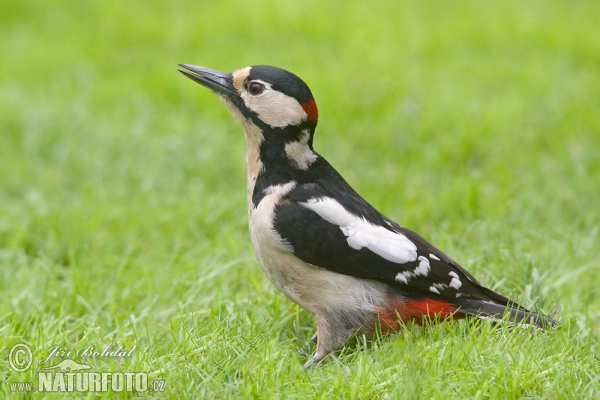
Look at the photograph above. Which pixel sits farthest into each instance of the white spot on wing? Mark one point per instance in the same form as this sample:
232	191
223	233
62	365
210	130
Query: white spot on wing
360	233
423	268
436	287
434	257
401	278
404	276
455	283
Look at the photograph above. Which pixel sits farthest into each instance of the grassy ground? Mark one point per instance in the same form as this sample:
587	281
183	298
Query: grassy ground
122	188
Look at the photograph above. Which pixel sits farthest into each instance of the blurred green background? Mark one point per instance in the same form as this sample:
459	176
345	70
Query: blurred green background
122	184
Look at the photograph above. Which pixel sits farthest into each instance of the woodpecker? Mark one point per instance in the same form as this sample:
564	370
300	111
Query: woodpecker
319	242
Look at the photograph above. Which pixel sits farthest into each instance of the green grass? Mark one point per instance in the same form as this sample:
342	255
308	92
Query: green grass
122	188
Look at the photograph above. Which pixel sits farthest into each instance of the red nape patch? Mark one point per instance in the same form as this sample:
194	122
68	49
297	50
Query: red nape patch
310	108
412	310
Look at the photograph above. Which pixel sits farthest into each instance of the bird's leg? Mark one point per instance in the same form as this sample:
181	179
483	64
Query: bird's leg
332	333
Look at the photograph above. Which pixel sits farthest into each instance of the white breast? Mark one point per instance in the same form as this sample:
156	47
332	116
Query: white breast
264	237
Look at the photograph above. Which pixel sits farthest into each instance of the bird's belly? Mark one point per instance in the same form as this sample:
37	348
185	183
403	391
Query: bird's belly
315	289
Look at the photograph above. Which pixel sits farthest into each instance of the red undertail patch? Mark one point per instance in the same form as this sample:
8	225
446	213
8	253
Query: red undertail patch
412	310
310	108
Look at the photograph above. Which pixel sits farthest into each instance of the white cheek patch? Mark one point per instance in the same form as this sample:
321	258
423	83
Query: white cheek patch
359	233
274	108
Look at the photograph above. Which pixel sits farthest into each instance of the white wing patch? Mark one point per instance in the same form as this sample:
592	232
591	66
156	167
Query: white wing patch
360	233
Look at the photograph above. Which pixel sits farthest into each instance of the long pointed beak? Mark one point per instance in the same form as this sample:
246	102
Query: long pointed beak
220	82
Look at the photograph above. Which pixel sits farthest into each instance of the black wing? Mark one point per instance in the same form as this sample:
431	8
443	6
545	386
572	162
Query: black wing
334	228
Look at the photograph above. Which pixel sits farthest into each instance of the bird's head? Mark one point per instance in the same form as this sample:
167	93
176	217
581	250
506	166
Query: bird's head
271	99
268	94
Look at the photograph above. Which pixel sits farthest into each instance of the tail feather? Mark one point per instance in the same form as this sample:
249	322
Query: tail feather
517	315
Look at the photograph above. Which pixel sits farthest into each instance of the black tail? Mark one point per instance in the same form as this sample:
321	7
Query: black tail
517	314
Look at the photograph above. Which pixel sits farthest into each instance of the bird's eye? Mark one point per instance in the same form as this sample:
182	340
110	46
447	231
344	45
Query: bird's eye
255	88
